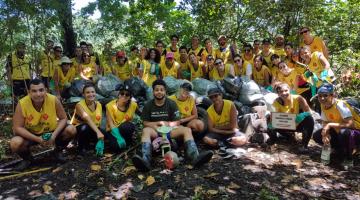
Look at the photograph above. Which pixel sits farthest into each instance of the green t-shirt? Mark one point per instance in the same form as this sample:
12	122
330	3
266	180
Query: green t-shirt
167	112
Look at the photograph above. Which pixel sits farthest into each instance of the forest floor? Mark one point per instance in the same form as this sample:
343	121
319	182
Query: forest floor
251	173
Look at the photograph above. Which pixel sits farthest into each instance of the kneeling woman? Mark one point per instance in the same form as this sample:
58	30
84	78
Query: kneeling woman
87	119
222	122
294	104
119	113
188	111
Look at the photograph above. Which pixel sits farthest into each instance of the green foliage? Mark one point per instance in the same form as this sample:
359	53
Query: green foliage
266	195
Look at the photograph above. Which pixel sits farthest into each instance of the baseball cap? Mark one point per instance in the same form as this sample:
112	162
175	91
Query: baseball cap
120	54
169	55
214	91
65	60
326	88
222	36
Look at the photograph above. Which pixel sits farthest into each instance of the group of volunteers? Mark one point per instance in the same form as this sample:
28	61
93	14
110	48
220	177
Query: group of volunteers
294	74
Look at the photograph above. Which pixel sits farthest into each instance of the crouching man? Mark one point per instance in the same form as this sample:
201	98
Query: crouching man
39	119
159	112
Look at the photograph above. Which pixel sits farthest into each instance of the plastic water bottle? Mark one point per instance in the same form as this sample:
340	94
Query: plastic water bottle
325	154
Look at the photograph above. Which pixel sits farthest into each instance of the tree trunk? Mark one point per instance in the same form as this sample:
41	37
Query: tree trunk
287	27
65	17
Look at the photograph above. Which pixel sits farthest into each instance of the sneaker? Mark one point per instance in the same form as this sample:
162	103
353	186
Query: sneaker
24	164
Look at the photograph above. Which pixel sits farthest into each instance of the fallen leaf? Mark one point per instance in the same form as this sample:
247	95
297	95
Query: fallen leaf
95	167
107	155
150	180
233	186
159	193
58	169
212	192
189	166
47	188
296	188
198	188
177	178
211	175
128	170
230	191
141	177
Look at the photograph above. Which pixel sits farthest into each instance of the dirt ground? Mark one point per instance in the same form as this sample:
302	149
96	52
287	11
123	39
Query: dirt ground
251	173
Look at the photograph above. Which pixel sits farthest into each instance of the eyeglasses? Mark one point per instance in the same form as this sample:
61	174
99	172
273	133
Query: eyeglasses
237	60
218	63
124	94
304	31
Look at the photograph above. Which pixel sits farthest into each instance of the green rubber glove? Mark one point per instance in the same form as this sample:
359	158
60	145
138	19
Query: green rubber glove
99	148
301	116
307	74
185	74
269	87
46	136
120	140
269	126
323	75
293	92
315	79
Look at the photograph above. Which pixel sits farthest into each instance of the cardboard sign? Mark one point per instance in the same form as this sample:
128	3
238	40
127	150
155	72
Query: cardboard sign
283	120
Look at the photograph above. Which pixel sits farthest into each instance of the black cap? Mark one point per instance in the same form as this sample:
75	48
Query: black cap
187	86
122	87
213	91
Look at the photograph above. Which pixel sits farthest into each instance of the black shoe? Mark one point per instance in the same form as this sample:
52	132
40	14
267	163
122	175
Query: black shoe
59	156
303	150
141	164
203	157
24	164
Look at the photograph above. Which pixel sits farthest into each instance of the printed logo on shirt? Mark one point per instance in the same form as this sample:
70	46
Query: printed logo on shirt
45	116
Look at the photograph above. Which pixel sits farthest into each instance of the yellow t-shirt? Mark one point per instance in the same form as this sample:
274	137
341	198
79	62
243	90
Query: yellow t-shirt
293	108
267	58
39	122
196	73
259	76
205	54
20	67
240	72
215	73
88	69
75	65
46	64
68	78
133	65
290	80
147	76
247	61
333	114
316	45
315	64
118	116
223	118
280	51
169	72
123	72
197	51
184	66
185	107
95	115
225	55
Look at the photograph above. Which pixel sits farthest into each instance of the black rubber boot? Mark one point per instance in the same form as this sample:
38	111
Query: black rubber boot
26	162
143	163
58	155
192	154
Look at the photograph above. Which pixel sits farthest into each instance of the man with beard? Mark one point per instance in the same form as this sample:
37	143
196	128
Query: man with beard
224	52
18	70
39	119
163	112
279	46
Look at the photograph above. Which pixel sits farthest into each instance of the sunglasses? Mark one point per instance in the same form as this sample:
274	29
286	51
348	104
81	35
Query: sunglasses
237	60
247	50
217	63
304	31
124	94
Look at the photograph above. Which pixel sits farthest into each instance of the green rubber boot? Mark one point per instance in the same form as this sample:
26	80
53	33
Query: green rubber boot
192	154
